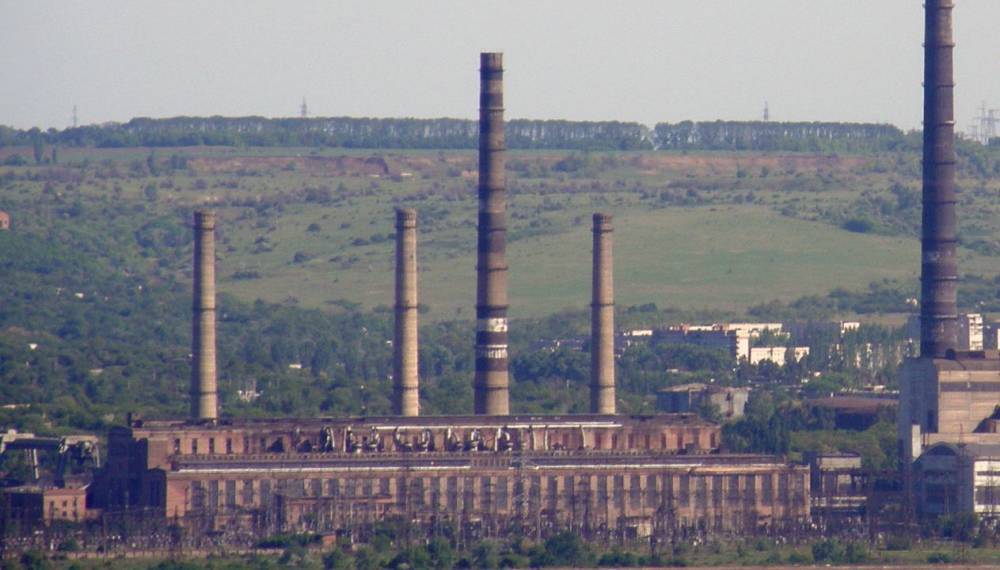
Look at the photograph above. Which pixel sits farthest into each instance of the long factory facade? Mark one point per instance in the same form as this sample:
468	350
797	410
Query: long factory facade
493	471
629	474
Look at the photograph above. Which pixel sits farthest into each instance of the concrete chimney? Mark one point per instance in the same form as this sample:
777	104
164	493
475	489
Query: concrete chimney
204	396
405	363
939	267
602	320
491	383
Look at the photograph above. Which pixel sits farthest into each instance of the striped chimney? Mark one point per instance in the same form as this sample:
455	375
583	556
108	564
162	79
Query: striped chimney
491	382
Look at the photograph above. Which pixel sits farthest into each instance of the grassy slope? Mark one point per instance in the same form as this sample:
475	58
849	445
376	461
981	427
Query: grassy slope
726	257
722	255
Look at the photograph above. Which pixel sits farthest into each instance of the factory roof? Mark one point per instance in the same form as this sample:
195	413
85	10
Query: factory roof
454	421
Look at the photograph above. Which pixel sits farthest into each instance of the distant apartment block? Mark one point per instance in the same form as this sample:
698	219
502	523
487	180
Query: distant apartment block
973	332
970	331
735	338
809	330
732	337
991	336
777	354
628	338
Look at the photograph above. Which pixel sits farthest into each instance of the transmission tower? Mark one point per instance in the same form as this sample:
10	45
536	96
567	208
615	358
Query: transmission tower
76	120
767	112
304	109
986	124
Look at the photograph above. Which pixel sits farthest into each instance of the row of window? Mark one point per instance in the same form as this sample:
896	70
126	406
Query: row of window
504	493
212	446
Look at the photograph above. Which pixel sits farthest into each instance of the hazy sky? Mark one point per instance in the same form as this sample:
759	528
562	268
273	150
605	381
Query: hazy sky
639	60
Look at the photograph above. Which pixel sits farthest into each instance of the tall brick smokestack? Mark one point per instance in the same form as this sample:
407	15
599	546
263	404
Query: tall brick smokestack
204	397
939	268
602	320
491	383
405	371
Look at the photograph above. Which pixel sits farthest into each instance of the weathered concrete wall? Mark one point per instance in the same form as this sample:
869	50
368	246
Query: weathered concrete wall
204	397
405	365
602	320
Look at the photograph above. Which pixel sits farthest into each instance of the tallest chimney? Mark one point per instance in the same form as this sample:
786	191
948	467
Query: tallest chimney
204	397
491	383
939	269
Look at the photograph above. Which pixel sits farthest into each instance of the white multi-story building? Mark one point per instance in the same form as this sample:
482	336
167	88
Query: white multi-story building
776	354
970	331
734	337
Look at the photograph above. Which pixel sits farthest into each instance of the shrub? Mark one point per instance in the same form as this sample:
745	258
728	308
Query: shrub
940	558
859	225
827	551
798	558
898	542
618	558
244	275
337	559
287	540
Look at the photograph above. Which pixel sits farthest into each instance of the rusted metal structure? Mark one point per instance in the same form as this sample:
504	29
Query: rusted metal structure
602	320
204	396
405	365
939	269
491	381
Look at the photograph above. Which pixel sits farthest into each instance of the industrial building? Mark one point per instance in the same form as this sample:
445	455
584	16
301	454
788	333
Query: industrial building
492	471
689	398
840	487
947	421
959	478
630	472
29	504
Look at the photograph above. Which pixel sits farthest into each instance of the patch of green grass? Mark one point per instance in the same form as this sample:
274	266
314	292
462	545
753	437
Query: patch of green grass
701	258
691	232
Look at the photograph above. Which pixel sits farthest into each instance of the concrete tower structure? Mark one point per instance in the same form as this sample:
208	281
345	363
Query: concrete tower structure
405	364
947	395
491	382
939	268
204	392
602	320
